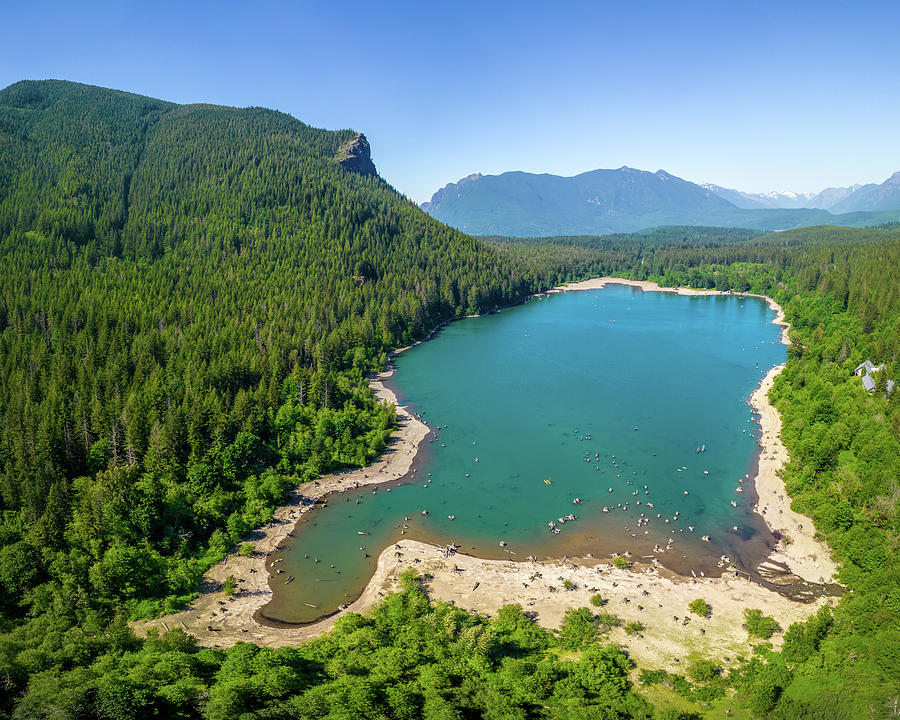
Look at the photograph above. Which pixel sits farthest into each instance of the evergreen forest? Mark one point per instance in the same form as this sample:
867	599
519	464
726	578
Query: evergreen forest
191	301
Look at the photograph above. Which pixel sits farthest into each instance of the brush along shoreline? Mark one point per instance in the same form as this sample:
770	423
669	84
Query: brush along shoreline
650	595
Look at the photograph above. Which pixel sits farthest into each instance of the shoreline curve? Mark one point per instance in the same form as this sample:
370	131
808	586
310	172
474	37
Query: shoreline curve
220	622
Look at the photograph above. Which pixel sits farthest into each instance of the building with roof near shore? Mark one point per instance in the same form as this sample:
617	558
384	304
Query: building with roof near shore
866	369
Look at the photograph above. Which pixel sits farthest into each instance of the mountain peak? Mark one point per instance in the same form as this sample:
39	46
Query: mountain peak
893	179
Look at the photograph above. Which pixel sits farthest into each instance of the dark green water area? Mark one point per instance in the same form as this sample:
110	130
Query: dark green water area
636	402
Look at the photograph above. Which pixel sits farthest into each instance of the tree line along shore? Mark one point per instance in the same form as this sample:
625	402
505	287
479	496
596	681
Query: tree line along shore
192	301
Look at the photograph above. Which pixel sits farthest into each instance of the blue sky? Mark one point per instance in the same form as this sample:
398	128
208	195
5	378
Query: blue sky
757	95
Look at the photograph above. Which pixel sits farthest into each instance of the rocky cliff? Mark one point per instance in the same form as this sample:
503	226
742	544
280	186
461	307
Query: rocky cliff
357	157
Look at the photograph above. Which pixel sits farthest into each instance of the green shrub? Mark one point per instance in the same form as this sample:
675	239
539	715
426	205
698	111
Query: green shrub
700	607
579	628
760	625
229	586
703	670
652	677
607	621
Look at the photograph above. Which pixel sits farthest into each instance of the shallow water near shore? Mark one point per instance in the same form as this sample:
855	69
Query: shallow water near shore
602	395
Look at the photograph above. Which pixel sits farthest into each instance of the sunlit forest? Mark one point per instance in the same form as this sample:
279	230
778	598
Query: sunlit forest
192	299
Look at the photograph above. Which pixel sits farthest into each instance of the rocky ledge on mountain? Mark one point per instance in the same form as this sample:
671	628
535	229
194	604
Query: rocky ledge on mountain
356	157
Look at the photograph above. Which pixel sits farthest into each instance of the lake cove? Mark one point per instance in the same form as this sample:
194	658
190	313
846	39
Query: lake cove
626	409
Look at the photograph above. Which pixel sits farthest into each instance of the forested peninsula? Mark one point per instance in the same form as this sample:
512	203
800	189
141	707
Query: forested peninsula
191	302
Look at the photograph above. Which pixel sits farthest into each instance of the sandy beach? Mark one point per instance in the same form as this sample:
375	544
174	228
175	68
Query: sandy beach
658	600
649	595
799	550
653	597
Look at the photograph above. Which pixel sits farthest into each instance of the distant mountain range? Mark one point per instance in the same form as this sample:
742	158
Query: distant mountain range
856	198
824	200
626	200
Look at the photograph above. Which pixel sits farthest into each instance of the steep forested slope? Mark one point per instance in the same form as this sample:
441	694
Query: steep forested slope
191	298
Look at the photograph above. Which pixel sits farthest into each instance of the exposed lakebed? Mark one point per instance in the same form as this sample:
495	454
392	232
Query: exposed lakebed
590	395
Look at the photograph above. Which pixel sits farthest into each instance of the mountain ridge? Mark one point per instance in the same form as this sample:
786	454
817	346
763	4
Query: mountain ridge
626	199
870	197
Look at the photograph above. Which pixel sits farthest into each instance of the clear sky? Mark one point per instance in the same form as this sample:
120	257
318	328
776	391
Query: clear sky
753	95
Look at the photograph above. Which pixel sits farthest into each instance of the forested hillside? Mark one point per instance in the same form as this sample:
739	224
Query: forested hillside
191	300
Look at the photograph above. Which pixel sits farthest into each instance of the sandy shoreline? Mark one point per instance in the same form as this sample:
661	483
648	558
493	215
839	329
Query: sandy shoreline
802	555
652	597
799	550
220	621
648	286
217	620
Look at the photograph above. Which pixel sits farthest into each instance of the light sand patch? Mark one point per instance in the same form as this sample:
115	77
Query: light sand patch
805	556
644	595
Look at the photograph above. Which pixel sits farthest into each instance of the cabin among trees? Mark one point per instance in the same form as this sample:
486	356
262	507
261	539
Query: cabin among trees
866	370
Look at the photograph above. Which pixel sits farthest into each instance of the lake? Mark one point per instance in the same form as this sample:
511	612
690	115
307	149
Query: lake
634	403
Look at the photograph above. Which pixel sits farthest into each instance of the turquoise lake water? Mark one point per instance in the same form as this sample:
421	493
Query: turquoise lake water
601	392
